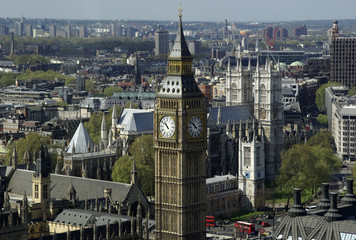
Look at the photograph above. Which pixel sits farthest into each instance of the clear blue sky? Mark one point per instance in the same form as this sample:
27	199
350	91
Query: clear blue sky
193	10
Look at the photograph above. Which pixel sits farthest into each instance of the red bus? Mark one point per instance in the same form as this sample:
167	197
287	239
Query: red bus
245	227
210	221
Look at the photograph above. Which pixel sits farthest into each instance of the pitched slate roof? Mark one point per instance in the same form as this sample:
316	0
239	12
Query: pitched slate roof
136	120
231	113
86	188
80	140
84	217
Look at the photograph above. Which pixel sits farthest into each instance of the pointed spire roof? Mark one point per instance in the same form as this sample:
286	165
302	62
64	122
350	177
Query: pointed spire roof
80	140
114	114
14	157
180	49
56	170
26	156
133	173
218	119
103	123
180	81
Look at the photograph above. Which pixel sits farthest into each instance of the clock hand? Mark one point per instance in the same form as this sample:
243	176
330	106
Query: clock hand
194	126
166	126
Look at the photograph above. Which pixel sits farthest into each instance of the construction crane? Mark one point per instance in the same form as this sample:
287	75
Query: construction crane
270	42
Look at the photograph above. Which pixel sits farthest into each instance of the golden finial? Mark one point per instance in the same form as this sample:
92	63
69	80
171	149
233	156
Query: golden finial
180	10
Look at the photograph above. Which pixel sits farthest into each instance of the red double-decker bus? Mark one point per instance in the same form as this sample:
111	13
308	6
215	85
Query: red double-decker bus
245	227
210	221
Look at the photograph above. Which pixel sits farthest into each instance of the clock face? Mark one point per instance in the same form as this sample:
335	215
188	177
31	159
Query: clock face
167	127
195	127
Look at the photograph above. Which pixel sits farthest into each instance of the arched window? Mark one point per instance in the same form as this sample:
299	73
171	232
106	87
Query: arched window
233	92
263	94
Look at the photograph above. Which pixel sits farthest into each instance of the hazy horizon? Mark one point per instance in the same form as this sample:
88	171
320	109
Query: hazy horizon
196	10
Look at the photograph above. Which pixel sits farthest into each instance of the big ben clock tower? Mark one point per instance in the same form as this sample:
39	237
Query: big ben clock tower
180	145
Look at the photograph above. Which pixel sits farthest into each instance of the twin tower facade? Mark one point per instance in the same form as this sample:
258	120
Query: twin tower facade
260	146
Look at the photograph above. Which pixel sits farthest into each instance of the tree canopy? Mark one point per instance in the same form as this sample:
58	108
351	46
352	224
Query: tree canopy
320	95
33	141
93	126
109	91
322	119
28	59
308	165
142	151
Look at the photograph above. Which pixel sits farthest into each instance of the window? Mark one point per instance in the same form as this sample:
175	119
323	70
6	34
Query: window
36	191
258	159
247	156
45	192
263	94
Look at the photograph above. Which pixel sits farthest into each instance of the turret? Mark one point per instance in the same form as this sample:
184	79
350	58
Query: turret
104	131
134	179
14	158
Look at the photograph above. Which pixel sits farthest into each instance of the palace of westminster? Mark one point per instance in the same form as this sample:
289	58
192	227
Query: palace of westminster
243	138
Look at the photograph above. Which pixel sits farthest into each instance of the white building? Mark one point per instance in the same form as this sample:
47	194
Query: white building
341	111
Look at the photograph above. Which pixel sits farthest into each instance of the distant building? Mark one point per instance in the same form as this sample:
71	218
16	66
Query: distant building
28	30
161	42
4	30
267	33
19	28
342	60
194	47
52	31
282	33
68	31
299	31
82	32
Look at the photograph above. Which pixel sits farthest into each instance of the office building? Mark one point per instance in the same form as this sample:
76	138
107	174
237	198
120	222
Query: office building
28	30
68	31
161	42
342	60
19	28
299	31
341	111
52	31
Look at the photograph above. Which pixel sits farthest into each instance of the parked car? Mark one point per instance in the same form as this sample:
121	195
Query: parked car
265	224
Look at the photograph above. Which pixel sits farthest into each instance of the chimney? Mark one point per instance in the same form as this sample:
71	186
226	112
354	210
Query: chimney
324	201
297	208
349	197
333	214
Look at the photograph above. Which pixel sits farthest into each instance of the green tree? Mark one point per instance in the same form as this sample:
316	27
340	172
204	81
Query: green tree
306	166
7	79
324	138
93	126
90	85
33	141
28	59
322	119
320	95
109	91
142	151
70	81
352	91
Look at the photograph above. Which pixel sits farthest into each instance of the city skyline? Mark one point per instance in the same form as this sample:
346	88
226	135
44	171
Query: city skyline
197	10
